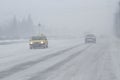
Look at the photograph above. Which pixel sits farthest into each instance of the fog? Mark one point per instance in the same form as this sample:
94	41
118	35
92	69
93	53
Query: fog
70	17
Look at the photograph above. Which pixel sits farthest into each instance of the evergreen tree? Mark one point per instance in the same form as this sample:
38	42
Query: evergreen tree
15	25
13	30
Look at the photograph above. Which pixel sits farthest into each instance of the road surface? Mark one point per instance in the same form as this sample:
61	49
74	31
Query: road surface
63	60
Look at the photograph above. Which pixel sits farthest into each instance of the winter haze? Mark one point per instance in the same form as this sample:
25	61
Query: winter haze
63	16
80	40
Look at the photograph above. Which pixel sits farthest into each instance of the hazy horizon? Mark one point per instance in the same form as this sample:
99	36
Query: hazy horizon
66	16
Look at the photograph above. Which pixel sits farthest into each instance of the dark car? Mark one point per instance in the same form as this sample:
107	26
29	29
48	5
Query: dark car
90	38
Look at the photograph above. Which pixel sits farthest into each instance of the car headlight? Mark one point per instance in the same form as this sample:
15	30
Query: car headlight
41	42
31	42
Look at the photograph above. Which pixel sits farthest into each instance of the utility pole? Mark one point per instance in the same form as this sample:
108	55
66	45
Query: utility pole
39	26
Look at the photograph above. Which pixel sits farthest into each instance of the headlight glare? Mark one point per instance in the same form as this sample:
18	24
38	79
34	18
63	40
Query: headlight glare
42	42
31	42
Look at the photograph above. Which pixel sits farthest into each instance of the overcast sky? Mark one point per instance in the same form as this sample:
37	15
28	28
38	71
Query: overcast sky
72	15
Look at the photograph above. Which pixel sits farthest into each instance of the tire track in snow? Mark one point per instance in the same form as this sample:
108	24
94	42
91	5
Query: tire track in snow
26	65
43	75
81	67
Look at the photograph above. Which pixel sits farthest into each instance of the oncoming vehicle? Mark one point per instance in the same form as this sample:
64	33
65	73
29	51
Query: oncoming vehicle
90	38
38	42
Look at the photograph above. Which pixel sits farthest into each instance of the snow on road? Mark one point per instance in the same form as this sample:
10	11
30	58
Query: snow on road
13	54
63	60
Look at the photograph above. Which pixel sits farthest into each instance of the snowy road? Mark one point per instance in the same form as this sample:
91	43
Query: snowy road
63	60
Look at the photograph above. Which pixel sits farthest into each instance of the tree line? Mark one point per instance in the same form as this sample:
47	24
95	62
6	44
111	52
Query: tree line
15	29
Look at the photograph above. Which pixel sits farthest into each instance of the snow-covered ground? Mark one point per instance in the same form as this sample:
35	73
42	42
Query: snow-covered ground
64	60
5	42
